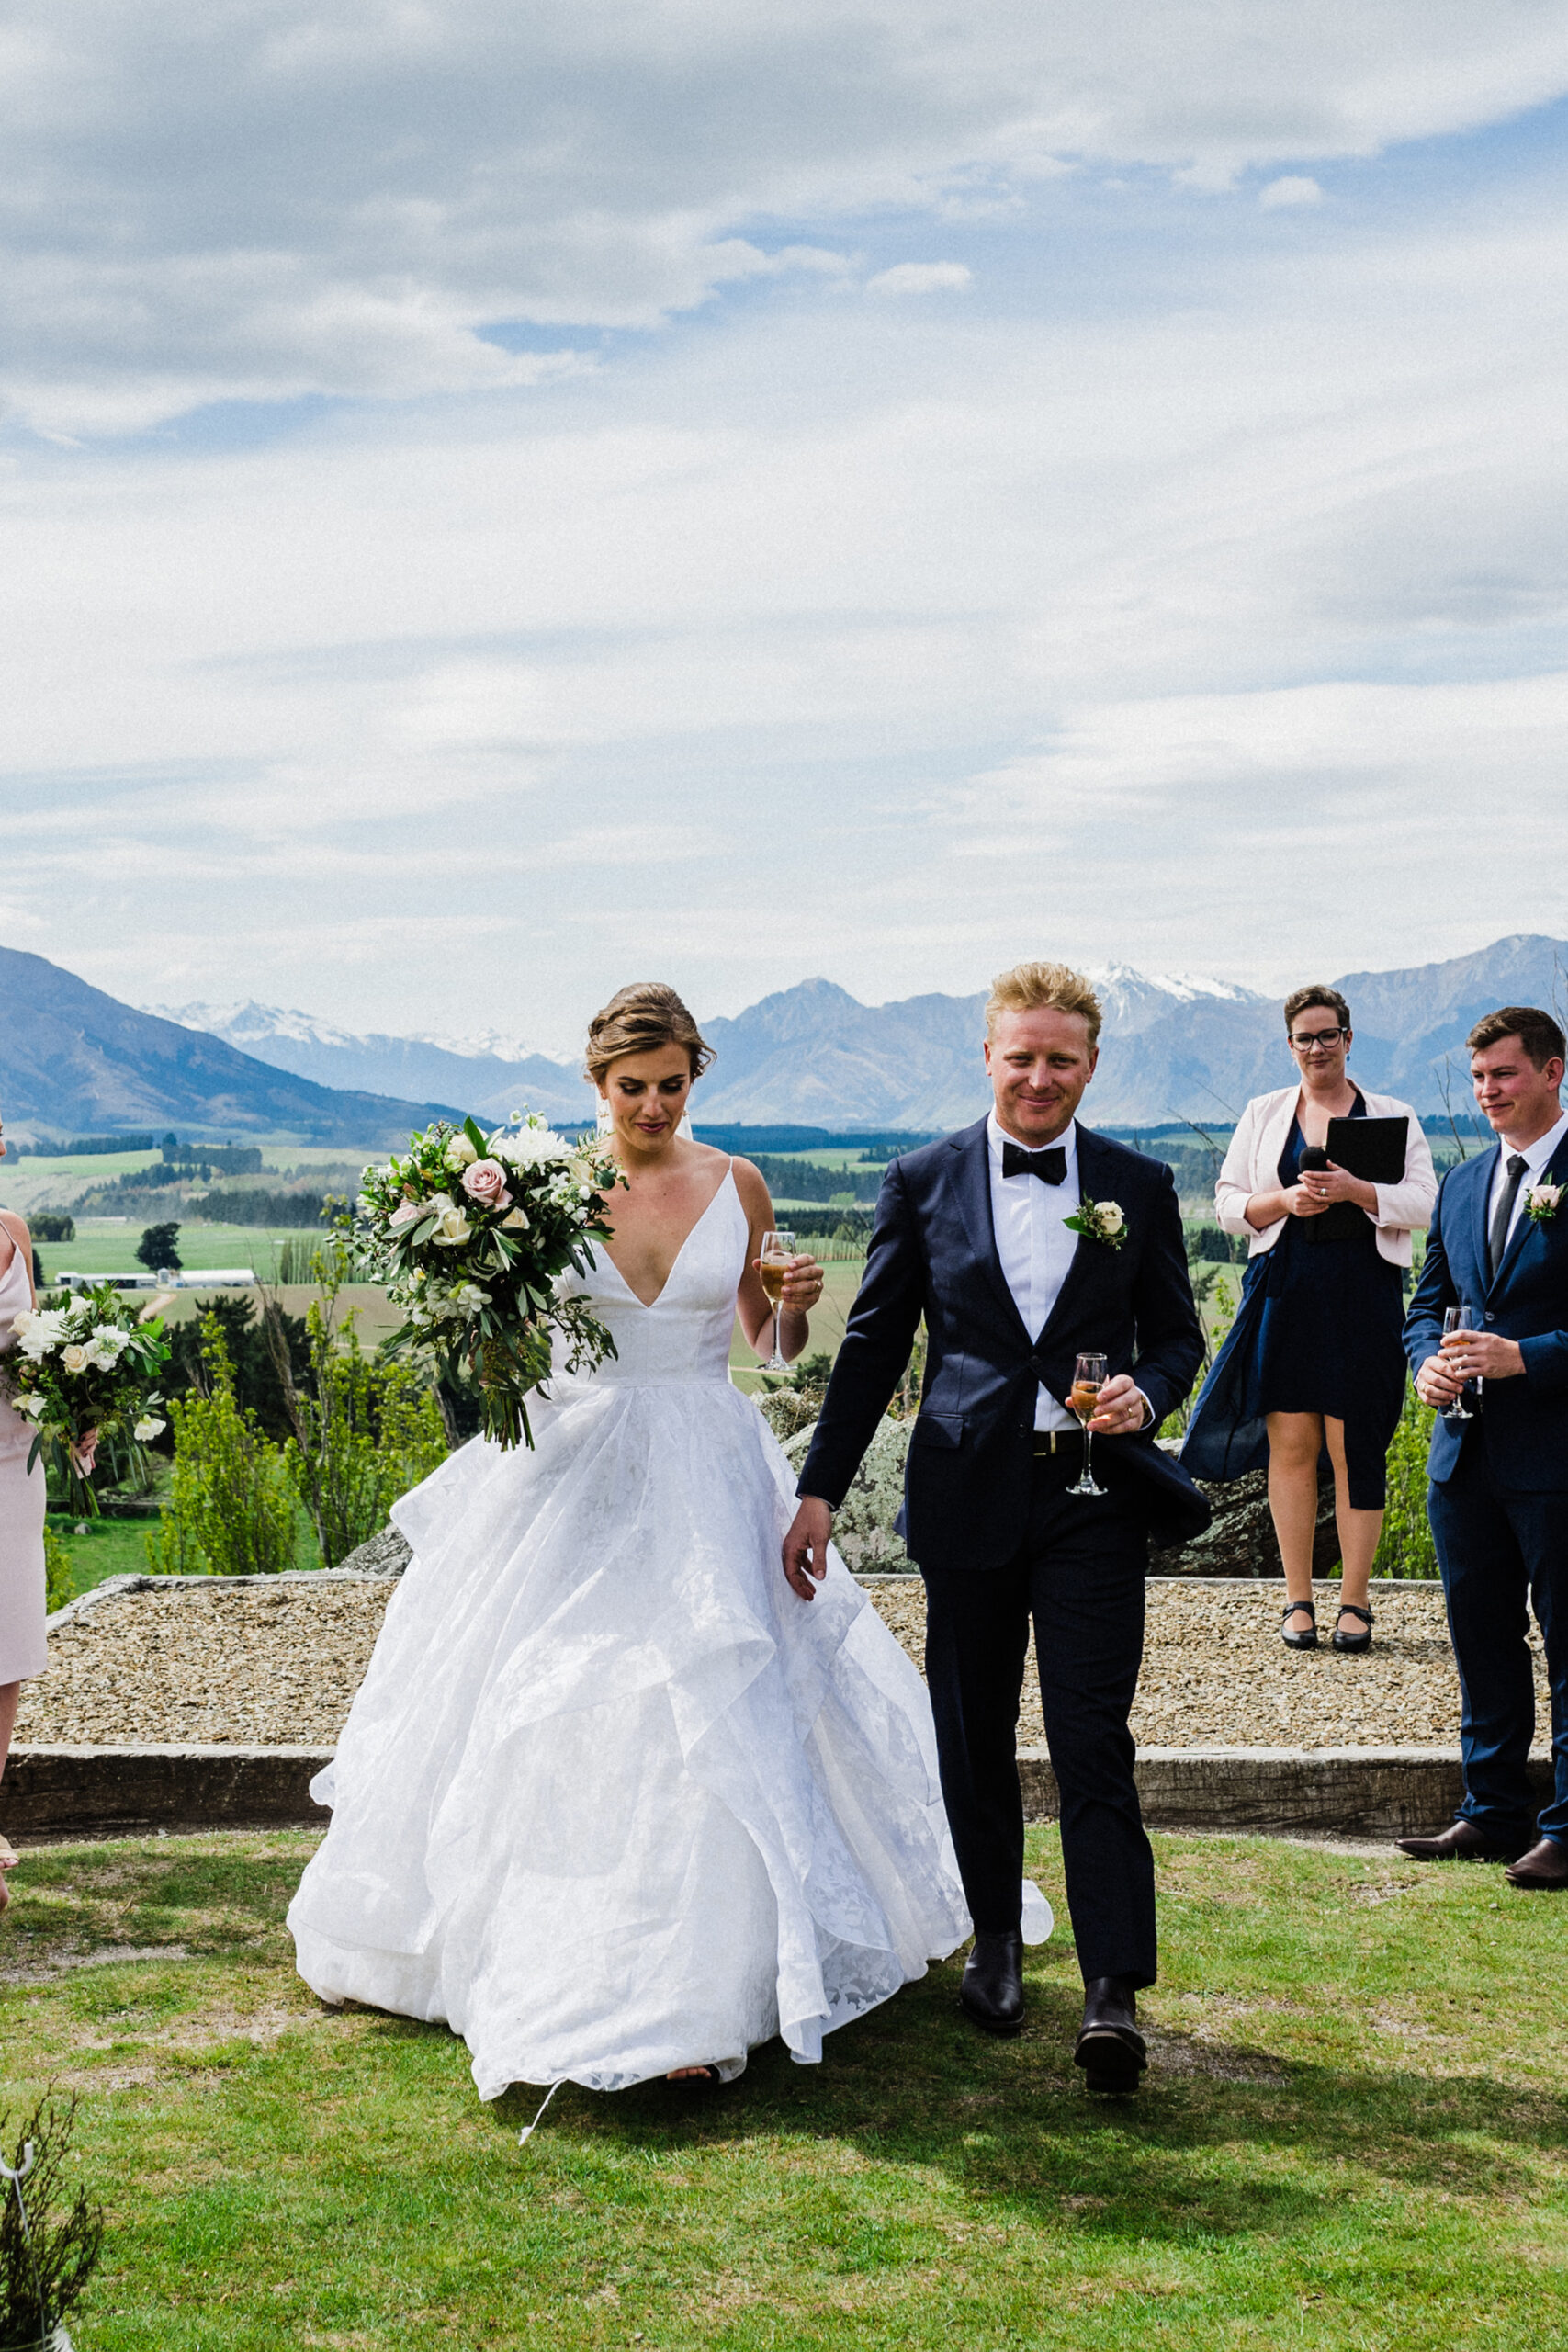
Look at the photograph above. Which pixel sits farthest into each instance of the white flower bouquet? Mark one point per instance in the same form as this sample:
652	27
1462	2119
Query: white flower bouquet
82	1372
469	1232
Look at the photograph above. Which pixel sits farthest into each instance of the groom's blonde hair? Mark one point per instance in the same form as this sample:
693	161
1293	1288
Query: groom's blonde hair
1030	987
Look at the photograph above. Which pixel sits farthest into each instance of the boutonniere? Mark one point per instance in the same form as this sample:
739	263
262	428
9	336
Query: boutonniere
1541	1202
1100	1221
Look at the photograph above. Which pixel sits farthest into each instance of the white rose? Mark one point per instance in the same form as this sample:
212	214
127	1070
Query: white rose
1111	1217
1548	1195
148	1427
460	1154
452	1229
516	1222
74	1358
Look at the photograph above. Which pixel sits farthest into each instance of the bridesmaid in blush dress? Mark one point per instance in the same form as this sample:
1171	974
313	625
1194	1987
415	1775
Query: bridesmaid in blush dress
23	1650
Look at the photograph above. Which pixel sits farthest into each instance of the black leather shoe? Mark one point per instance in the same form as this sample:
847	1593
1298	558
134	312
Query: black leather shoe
992	1990
1460	1842
1110	2047
1545	1865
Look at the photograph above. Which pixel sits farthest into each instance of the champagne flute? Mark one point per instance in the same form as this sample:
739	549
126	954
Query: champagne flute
1458	1319
778	1249
1089	1379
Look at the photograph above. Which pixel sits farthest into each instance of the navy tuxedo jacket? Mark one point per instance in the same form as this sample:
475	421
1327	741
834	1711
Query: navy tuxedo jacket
1524	1419
933	1252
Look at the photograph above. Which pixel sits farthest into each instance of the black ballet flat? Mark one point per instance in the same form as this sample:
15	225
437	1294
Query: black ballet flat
1357	1642
1307	1641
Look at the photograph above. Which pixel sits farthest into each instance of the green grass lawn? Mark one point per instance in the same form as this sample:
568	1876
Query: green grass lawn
116	1547
101	1248
1355	2134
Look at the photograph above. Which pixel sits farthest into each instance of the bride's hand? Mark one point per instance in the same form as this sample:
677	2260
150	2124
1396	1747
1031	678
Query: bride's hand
802	1287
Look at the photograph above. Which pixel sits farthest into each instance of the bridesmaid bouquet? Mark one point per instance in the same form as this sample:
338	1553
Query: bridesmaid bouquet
468	1233
81	1373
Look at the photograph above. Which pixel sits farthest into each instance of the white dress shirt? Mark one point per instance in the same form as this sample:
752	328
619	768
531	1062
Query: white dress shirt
1034	1245
1535	1156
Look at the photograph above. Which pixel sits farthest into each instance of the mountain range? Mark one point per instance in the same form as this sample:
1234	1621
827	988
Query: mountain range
75	1060
491	1075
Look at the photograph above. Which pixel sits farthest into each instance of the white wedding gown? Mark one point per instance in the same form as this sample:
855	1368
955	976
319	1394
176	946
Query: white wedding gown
611	1799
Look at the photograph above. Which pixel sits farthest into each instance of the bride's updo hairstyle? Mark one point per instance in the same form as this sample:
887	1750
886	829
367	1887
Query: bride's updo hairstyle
639	1020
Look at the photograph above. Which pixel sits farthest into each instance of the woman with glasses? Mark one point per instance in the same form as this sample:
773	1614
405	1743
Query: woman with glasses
1315	1358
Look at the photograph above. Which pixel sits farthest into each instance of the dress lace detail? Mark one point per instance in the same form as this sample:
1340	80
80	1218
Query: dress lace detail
611	1799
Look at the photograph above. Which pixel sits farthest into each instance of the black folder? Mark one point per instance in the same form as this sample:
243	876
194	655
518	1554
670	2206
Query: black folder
1373	1150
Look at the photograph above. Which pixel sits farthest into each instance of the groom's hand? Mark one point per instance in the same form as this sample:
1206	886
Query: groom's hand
806	1546
1120	1408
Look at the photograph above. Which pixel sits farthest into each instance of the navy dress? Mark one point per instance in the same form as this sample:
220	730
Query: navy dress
1318	1330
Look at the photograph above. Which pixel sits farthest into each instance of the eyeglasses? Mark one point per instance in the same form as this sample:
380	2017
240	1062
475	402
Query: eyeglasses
1305	1040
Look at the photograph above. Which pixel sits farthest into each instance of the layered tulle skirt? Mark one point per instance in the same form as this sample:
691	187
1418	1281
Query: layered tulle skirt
611	1800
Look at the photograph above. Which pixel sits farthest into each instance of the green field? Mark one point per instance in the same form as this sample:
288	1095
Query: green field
1354	2136
102	1246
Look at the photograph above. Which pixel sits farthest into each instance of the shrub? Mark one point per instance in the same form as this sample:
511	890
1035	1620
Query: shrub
364	1431
1407	1548
59	1579
231	1510
250	1340
44	2268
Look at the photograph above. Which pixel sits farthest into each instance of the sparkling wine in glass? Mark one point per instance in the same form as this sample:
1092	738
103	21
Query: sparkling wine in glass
778	1249
1089	1379
1458	1319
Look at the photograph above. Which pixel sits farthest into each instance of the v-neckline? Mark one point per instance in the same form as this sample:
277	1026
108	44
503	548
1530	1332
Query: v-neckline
648	1305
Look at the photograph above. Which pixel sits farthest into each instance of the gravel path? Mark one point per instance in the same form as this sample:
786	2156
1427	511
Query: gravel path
279	1661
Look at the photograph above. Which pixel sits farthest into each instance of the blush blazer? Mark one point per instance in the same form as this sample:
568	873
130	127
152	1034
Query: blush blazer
1252	1165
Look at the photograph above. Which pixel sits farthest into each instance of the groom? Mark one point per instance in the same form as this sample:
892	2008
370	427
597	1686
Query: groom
973	1234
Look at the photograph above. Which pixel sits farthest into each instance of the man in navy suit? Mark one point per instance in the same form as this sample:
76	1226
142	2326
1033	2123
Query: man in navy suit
1498	1500
972	1233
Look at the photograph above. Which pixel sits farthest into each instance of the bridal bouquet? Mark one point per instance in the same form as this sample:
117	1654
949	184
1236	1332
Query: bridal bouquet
81	1373
468	1233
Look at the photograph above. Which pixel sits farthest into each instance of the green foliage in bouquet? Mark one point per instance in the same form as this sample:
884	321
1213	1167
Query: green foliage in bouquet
231	1510
363	1432
51	2232
469	1234
84	1372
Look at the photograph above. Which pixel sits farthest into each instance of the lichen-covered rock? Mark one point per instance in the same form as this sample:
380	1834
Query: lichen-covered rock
863	1528
786	1411
1240	1541
386	1555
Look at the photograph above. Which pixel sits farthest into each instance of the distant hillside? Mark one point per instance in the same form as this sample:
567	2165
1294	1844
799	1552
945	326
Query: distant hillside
810	1056
1171	1049
494	1076
76	1061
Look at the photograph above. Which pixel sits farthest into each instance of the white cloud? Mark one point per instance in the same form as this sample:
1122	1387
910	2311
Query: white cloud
920	277
262	202
1295	188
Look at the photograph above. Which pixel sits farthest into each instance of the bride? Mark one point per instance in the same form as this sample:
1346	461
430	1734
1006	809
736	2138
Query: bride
612	1801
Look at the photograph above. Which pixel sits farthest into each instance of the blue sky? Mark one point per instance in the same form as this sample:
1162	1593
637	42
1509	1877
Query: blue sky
497	502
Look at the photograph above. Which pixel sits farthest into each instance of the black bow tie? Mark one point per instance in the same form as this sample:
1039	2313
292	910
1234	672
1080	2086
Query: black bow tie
1050	1165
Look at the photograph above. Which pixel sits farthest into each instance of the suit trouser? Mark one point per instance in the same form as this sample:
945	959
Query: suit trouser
1501	1551
1080	1573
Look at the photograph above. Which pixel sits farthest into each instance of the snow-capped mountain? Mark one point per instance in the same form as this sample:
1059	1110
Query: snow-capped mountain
490	1073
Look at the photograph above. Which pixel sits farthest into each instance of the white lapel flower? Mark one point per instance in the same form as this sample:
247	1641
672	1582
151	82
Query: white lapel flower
1541	1202
1103	1221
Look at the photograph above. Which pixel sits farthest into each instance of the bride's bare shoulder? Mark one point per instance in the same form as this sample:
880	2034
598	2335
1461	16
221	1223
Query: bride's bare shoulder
752	1185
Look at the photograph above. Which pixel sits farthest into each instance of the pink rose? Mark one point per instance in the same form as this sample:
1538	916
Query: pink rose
485	1182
